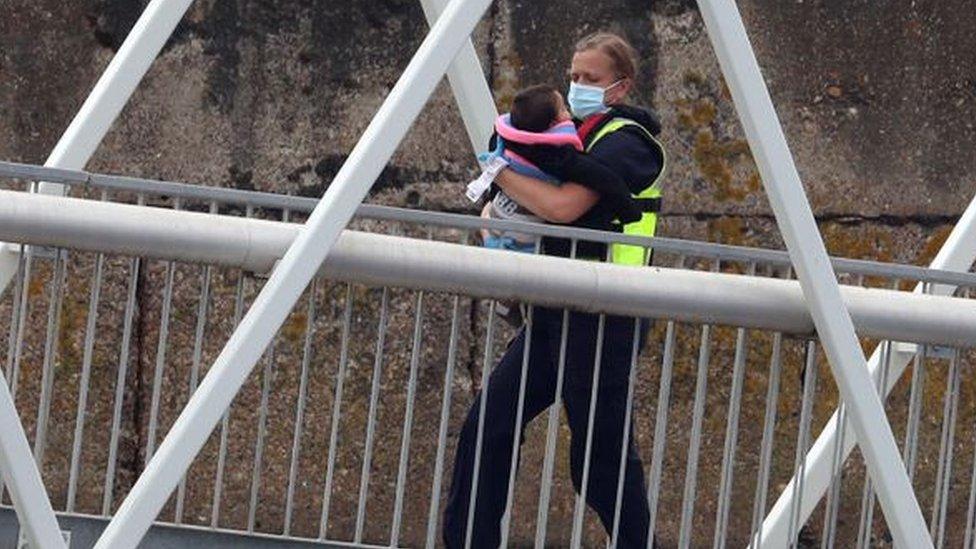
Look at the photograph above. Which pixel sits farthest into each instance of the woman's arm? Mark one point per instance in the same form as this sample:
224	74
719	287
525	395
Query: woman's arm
555	203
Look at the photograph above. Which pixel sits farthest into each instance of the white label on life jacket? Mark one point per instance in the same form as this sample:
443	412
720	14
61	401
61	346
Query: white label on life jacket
490	168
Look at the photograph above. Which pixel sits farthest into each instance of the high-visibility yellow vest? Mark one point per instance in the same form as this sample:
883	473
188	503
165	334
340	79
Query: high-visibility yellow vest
649	198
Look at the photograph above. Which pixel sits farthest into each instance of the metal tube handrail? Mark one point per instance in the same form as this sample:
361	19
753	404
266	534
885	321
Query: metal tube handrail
725	252
382	260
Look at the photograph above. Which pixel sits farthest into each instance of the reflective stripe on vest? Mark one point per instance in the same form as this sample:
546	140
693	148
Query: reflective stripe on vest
624	254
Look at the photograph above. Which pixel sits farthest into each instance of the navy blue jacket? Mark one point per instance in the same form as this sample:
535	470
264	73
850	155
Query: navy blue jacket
630	154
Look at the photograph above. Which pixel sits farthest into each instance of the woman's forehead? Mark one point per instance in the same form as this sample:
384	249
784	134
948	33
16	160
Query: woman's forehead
593	62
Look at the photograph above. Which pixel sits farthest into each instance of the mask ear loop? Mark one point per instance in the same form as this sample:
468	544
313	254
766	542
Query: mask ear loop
610	87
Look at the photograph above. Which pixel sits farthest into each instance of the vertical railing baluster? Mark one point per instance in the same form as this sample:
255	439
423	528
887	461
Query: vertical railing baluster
161	348
909	452
435	492
445	416
23	308
969	540
943	477
479	438
694	439
86	364
157	385
336	414
296	440
579	513
552	427
803	438
408	420
867	498
660	429
202	309
371	420
769	433
520	408
625	444
837	472
225	420
731	432
19	284
135	265
267	377
519	411
837	469
661	424
50	351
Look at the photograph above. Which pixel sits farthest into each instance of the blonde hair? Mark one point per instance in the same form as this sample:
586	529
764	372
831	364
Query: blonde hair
620	52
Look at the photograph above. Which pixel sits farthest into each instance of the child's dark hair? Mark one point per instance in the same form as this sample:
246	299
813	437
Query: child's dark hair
534	109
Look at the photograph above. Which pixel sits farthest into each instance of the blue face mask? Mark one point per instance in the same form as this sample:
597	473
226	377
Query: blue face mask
585	100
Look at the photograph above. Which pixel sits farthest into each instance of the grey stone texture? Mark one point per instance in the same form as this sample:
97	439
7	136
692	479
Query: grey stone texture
878	105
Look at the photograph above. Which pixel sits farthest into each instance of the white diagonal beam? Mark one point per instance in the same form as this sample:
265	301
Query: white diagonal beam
470	87
20	473
798	227
105	102
957	254
295	270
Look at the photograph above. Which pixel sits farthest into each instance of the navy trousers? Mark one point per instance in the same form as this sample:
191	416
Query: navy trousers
499	427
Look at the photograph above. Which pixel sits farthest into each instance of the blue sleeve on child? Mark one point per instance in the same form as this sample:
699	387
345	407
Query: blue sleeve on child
499	149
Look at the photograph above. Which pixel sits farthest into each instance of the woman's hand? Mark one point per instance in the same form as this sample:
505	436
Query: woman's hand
555	203
485	214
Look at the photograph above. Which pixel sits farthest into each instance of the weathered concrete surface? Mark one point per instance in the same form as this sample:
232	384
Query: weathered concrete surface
880	103
878	106
252	94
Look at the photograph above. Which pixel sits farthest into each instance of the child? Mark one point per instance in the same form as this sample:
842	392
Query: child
539	117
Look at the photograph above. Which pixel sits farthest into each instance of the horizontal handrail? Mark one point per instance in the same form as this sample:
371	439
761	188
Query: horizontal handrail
683	295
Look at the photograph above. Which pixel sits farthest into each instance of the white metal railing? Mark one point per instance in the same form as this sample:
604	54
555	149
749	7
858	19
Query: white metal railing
276	463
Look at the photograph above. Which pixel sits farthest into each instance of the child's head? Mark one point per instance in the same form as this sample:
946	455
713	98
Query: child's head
537	108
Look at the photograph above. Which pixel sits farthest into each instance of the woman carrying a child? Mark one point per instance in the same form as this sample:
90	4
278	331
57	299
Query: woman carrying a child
622	160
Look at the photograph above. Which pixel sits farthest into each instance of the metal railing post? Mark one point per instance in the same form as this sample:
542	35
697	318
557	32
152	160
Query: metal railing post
799	230
294	271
